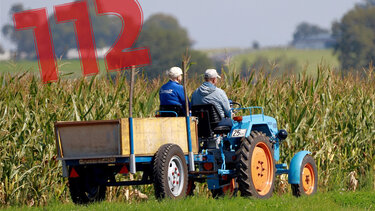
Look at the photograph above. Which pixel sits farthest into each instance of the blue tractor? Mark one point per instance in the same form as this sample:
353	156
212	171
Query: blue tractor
234	154
241	154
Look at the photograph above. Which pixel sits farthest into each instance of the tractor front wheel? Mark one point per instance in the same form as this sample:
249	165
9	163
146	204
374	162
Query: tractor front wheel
256	166
170	172
308	178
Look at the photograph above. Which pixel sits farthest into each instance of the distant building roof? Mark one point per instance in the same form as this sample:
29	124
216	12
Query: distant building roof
73	53
5	56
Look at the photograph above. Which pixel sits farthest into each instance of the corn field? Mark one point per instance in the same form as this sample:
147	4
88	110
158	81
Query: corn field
329	115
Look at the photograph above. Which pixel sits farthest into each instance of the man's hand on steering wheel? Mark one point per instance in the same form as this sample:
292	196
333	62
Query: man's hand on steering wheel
234	105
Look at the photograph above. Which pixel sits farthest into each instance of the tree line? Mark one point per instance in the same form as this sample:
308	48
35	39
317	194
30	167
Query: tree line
354	35
161	33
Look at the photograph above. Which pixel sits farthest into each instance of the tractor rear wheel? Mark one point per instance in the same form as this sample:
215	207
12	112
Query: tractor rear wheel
256	166
86	188
308	178
170	172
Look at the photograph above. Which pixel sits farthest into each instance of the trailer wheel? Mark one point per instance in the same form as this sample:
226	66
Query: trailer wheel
308	178
170	172
256	166
84	189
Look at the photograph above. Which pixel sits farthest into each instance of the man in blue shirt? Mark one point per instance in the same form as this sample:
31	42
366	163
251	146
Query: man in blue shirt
208	93
172	93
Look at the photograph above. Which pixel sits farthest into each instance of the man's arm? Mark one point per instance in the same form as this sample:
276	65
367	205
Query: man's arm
181	96
225	104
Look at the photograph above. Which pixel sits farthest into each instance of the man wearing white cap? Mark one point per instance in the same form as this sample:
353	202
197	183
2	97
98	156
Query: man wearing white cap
208	93
172	93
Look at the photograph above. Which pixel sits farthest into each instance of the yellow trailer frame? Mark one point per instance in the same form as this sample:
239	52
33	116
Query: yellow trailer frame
110	138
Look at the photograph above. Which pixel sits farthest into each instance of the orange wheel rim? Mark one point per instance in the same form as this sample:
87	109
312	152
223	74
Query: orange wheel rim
262	168
308	179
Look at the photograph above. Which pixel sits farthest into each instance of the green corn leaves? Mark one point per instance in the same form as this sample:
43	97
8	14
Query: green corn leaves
331	116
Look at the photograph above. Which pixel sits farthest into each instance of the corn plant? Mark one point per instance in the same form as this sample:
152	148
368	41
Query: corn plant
329	115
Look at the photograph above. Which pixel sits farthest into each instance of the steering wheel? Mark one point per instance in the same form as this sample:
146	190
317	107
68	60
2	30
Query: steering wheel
234	105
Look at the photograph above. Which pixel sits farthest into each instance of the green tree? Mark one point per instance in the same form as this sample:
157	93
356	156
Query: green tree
367	3
305	30
166	39
23	39
201	63
355	35
167	42
255	45
106	30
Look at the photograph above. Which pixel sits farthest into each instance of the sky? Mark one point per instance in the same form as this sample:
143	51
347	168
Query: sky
224	23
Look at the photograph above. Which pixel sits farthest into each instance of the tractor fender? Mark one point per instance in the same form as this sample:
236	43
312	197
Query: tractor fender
295	167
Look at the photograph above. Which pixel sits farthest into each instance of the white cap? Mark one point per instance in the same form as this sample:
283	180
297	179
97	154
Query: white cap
211	73
174	72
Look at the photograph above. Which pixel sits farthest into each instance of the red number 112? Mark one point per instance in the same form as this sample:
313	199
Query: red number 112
120	56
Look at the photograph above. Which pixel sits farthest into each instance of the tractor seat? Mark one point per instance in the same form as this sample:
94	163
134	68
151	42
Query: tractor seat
208	119
224	126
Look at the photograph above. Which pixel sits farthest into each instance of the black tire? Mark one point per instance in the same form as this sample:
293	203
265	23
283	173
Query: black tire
170	172
85	188
311	178
246	185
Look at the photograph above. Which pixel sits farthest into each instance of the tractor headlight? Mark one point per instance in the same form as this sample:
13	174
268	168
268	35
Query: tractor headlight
282	134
